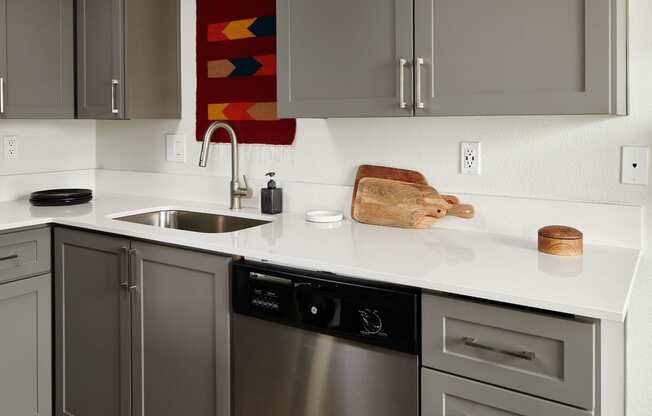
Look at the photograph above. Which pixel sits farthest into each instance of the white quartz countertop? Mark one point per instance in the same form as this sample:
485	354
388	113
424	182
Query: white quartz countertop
488	266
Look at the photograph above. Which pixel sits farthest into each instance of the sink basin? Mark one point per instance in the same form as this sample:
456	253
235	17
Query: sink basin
193	221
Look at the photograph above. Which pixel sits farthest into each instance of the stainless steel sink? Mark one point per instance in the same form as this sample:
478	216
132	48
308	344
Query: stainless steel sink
193	221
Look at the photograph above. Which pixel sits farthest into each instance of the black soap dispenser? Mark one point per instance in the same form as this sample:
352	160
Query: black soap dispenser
271	198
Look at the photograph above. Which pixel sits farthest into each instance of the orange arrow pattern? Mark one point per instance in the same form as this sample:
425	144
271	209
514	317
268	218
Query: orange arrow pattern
242	111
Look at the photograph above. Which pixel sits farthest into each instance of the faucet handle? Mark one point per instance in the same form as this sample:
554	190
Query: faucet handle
247	192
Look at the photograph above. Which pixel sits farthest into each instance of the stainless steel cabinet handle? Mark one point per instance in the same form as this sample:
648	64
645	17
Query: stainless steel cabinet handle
401	81
12	257
124	268
114	88
2	95
524	355
420	103
132	270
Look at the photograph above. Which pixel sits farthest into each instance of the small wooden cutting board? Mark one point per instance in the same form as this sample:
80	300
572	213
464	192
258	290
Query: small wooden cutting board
402	175
402	204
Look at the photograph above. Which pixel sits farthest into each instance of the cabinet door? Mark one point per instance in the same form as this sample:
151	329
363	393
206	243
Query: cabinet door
181	332
502	57
37	63
342	58
92	325
26	347
100	56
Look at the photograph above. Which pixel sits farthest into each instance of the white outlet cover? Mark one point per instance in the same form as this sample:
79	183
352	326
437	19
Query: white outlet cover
634	165
175	148
10	147
470	158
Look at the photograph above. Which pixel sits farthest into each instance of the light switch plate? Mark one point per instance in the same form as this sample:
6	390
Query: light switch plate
634	165
175	148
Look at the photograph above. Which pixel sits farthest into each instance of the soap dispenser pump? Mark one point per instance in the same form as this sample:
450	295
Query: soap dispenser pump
271	198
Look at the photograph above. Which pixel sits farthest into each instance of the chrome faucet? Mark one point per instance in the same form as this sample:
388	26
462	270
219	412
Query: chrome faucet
237	191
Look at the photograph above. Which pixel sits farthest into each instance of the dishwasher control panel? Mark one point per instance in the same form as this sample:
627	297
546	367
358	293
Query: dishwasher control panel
269	293
382	315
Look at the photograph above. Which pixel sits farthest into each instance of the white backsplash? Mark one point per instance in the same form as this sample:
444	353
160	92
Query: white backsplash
604	224
14	187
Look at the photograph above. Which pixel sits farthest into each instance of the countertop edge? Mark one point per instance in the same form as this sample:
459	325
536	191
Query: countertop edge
600	314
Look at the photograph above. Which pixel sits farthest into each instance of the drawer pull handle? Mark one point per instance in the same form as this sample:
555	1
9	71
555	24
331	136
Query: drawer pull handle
524	355
12	257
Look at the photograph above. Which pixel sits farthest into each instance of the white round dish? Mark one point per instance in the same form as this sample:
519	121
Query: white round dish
324	216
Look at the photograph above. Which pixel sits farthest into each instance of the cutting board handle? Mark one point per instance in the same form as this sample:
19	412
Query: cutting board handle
462	210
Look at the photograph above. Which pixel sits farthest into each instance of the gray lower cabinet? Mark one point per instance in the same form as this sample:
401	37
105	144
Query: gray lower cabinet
37	59
447	395
24	253
128	59
142	329
92	325
539	354
471	57
486	359
343	58
180	332
26	347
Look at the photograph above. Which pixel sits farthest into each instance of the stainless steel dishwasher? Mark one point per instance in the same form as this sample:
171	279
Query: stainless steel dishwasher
312	344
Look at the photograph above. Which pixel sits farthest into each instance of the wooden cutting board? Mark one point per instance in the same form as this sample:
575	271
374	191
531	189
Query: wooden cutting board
402	204
402	175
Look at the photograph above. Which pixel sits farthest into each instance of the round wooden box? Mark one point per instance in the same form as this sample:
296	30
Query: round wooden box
561	241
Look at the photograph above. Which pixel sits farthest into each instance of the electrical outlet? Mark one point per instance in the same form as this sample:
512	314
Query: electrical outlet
470	158
634	165
10	146
175	148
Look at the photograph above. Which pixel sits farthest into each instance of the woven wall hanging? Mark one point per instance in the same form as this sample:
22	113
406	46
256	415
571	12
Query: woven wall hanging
236	71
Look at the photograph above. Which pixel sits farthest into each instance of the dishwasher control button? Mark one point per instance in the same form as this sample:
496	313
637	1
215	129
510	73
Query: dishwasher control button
314	310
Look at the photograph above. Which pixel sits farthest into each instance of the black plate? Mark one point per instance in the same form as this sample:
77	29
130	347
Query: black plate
59	197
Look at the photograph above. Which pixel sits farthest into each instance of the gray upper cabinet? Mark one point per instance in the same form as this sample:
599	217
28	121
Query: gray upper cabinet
26	347
343	58
501	57
92	325
100	59
466	57
128	59
181	332
37	59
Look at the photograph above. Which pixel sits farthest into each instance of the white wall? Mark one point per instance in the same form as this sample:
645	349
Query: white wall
51	154
569	157
49	145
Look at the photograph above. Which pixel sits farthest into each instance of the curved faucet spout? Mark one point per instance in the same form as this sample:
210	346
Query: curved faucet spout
237	192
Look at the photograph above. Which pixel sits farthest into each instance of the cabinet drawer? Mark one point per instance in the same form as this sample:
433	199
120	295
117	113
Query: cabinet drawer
446	395
543	355
24	253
